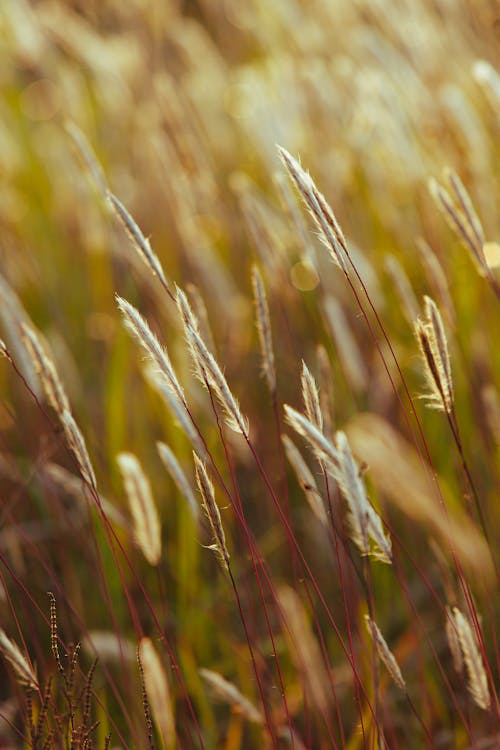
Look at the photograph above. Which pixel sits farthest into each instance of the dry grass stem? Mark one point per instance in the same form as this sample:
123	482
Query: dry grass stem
385	653
264	329
477	678
147	526
228	693
206	489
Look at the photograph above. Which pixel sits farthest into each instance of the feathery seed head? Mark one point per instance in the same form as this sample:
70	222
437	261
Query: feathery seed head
137	238
206	489
433	344
207	364
385	653
264	328
145	516
25	673
331	233
476	673
310	396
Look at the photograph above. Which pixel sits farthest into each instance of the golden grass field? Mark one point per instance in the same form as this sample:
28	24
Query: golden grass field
250	383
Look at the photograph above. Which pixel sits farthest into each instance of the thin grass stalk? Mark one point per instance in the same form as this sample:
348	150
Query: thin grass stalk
140	243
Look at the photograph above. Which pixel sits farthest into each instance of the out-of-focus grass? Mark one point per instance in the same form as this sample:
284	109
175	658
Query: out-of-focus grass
183	104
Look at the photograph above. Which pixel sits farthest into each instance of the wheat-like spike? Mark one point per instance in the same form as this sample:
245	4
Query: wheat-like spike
190	320
453	641
157	354
158	692
147	526
338	459
323	449
306	480
465	203
137	238
385	653
325	395
45	369
188	317
174	468
228	692
320	210
206	489
431	337
310	396
76	443
264	329
179	410
478	680
25	673
440	343
208	365
459	221
86	153
201	312
364	521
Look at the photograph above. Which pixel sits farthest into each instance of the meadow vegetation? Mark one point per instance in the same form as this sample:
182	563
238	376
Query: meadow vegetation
250	401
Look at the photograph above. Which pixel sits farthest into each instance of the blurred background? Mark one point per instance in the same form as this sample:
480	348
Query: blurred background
183	104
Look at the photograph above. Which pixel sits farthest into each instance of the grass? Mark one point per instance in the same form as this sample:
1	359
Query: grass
217	452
